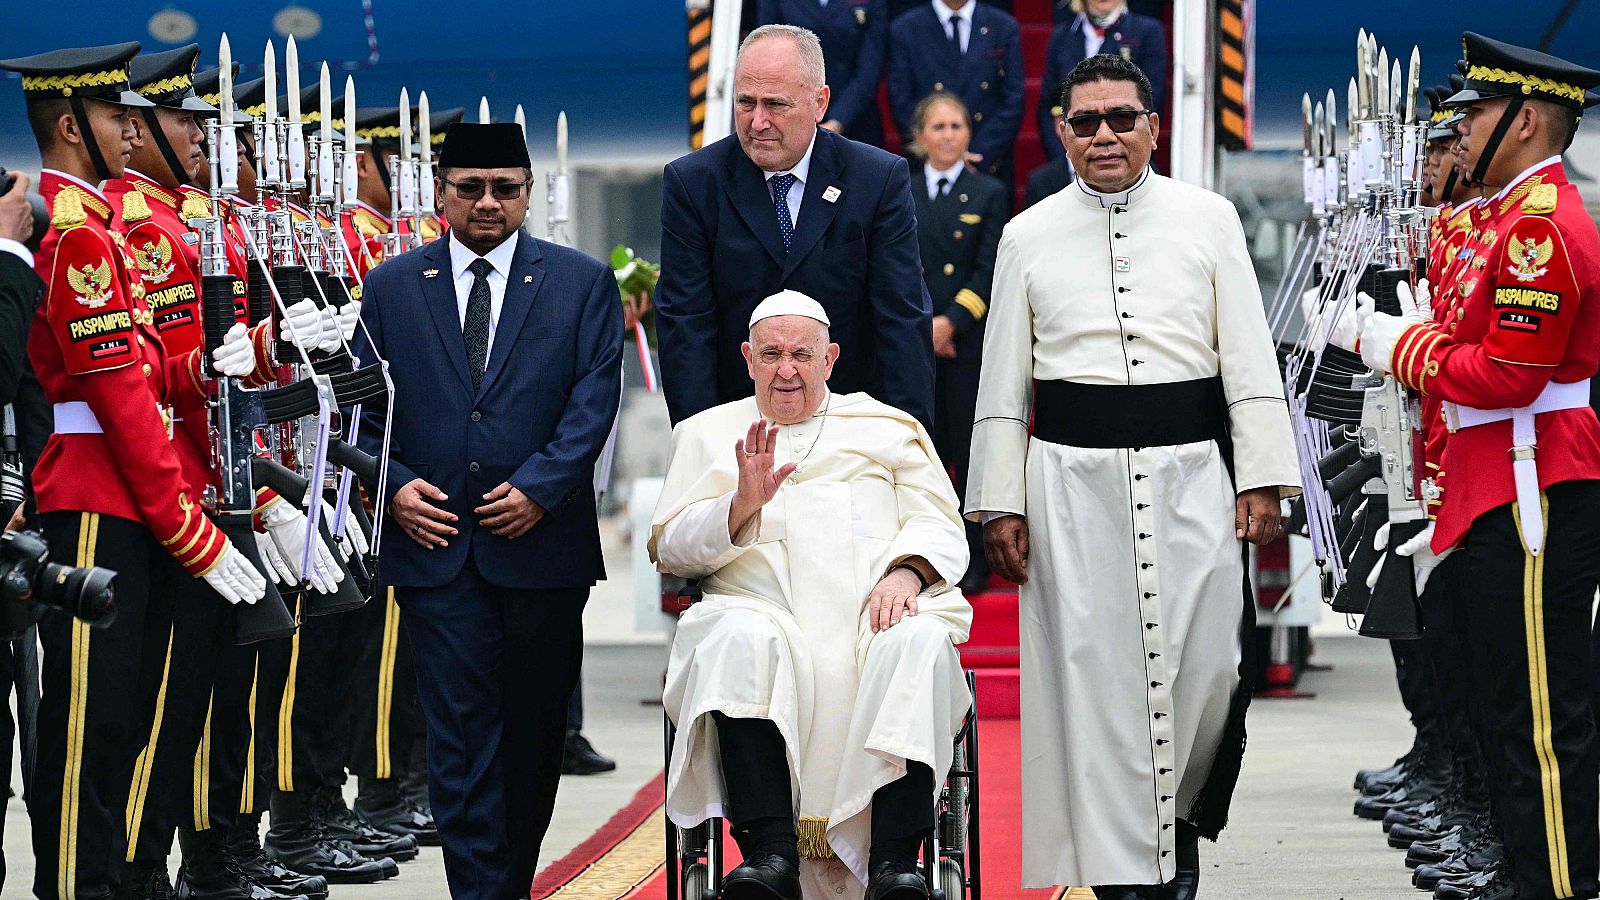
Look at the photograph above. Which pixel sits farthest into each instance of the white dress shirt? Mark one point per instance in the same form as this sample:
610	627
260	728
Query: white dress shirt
949	175
7	245
945	14
797	191
500	257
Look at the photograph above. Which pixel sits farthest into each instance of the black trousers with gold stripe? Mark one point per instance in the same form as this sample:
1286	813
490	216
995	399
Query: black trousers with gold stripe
313	718
99	696
1529	625
385	712
236	757
171	781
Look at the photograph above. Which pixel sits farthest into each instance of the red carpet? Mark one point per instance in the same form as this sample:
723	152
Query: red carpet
624	858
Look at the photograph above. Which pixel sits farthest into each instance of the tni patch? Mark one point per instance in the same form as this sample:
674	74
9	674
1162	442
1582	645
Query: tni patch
1519	321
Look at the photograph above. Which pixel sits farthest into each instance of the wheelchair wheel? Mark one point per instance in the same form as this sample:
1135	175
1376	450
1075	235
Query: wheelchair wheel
697	883
953	818
949	880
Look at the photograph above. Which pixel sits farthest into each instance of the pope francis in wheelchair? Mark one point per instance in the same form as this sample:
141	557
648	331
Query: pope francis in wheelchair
815	688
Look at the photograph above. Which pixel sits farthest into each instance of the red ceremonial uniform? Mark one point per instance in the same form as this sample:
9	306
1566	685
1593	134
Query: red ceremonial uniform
94	341
365	227
1455	231
1526	316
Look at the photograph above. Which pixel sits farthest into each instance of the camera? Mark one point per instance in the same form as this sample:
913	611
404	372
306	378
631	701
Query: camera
29	579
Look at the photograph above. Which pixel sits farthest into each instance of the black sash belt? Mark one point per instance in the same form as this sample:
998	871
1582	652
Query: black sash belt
1130	415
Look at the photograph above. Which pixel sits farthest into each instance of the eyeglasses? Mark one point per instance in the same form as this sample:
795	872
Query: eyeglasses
473	188
1120	120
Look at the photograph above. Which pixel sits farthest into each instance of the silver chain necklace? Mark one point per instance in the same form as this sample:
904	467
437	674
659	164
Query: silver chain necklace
799	463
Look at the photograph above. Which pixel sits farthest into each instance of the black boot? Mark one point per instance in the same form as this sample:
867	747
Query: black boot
381	805
1390	775
343	825
244	851
298	841
1481	856
207	872
145	881
1186	881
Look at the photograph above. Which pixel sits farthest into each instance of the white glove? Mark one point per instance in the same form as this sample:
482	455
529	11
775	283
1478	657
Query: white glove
237	355
1380	332
302	325
330	331
1380	543
277	566
1347	328
1423	559
355	540
287	526
349	317
236	579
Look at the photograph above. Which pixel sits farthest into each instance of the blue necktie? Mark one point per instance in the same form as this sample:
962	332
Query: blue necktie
780	198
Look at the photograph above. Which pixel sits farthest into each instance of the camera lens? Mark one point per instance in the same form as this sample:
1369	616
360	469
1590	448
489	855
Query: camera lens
86	593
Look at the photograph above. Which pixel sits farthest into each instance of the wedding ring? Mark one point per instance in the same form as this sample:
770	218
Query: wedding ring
417	528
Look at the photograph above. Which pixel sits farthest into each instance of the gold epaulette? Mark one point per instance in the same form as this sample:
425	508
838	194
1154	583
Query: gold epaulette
67	211
134	208
195	207
1541	201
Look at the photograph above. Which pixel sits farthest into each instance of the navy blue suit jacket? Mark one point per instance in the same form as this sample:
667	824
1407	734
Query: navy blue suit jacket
857	255
548	399
855	45
1139	39
988	77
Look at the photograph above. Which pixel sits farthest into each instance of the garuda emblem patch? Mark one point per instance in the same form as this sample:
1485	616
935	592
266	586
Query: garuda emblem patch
155	260
91	283
1528	259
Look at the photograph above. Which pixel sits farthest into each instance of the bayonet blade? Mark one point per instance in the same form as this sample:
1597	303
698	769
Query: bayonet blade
225	80
1413	84
1382	93
1308	126
325	101
405	125
561	143
1318	127
291	75
483	111
425	128
1396	85
1362	93
270	63
522	122
1330	121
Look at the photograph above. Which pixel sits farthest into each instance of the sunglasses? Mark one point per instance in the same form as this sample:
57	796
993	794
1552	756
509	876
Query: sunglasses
1121	121
473	188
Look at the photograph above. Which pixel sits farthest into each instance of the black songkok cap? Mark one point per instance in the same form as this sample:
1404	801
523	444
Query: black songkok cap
98	73
1498	69
470	145
167	79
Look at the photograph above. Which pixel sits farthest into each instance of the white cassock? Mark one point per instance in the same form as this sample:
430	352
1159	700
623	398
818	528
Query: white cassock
1132	612
781	632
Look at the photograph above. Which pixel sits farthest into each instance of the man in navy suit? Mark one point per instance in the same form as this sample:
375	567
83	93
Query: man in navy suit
855	44
1104	26
506	355
973	51
784	204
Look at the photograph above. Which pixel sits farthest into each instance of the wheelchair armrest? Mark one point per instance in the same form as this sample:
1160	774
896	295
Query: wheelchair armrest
677	601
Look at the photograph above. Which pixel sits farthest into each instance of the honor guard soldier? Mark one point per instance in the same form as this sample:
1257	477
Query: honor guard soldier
109	485
379	129
959	218
1510	353
205	704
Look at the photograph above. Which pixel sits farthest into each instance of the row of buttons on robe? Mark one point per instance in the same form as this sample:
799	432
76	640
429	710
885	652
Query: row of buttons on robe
1146	608
1123	289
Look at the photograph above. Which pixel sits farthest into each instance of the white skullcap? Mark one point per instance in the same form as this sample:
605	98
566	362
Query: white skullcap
788	303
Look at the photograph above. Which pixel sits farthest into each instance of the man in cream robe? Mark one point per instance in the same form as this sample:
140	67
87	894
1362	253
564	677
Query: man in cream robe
794	633
1127	326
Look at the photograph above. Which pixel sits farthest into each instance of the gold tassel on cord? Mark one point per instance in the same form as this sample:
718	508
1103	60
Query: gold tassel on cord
813	834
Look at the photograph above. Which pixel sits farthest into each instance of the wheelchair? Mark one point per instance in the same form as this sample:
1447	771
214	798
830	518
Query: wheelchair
949	860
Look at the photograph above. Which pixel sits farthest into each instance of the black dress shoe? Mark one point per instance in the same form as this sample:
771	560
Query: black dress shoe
893	881
1126	891
580	758
765	876
1186	880
974	582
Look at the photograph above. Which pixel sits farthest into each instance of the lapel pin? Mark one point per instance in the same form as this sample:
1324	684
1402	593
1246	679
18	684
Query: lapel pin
831	194
527	279
430	273
861	15
983	29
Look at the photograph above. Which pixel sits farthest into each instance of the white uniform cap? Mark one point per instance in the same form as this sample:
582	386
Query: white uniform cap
788	303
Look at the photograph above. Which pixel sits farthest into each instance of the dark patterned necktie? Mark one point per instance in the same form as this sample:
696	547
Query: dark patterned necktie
780	198
476	327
